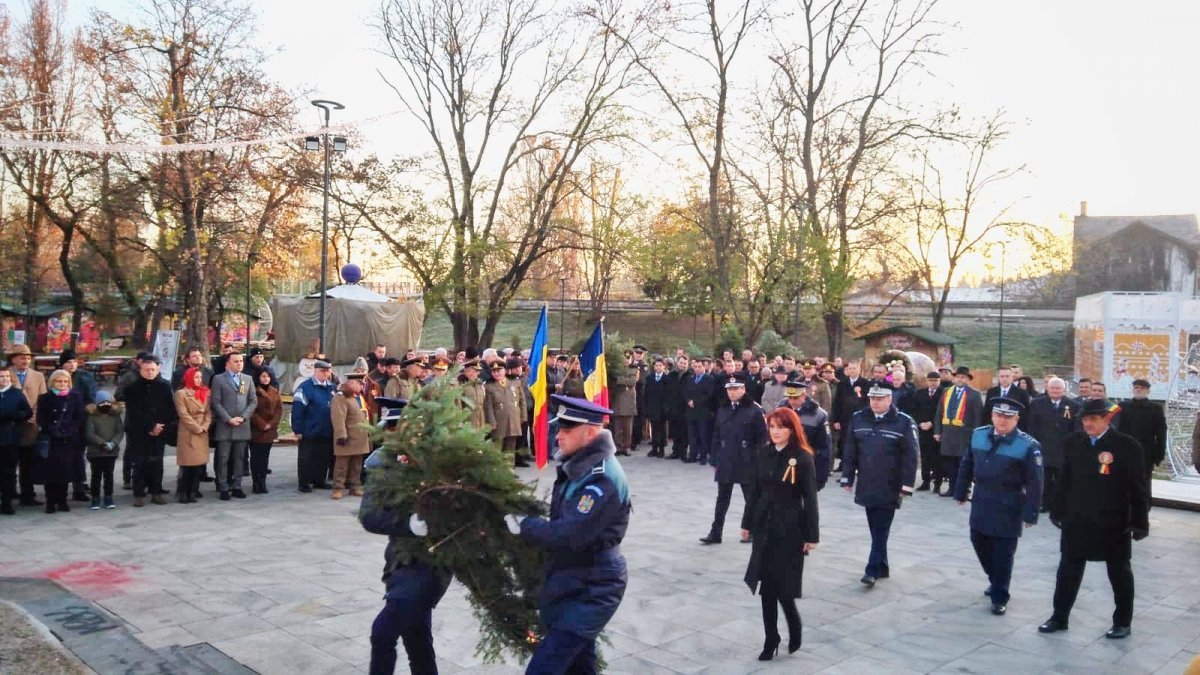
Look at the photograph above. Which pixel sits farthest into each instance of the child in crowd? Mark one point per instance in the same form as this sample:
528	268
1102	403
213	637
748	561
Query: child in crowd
103	432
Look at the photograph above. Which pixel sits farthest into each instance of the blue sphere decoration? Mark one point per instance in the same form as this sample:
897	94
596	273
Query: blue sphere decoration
352	273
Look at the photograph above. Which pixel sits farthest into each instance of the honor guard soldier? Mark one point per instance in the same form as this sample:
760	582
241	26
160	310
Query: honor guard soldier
1006	465
1101	506
879	457
589	512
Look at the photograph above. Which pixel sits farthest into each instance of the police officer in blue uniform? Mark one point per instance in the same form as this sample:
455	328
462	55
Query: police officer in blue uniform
1006	465
589	512
740	431
414	588
879	458
815	421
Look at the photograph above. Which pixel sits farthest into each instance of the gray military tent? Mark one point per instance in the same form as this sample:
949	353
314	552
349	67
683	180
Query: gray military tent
356	319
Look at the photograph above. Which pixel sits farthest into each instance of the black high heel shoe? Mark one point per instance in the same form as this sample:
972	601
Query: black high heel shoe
770	649
794	643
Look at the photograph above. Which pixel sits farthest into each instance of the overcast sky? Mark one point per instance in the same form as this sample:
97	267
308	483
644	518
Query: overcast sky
1102	93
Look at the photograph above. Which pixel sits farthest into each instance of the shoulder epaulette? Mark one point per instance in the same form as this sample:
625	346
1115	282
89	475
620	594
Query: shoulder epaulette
598	470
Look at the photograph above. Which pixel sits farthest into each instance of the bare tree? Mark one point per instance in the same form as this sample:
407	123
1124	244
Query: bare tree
840	66
943	222
700	35
497	86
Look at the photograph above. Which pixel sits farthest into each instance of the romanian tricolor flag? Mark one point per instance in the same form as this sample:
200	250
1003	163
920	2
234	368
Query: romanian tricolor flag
540	392
591	363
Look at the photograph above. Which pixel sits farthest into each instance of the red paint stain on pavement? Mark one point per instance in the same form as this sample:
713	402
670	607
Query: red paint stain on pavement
96	577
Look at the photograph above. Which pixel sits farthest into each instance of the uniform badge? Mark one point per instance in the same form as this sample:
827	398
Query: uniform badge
585	504
1037	458
1105	458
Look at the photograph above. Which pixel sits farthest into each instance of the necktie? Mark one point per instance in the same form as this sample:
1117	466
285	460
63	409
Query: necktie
735	407
657	377
1056	406
932	392
237	382
21	376
1095	439
698	378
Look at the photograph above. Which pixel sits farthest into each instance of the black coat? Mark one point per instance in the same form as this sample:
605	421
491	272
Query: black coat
847	401
738	433
1097	509
14	410
656	397
702	395
61	419
1015	393
904	397
147	403
782	515
754	387
1051	426
1144	420
676	404
925	409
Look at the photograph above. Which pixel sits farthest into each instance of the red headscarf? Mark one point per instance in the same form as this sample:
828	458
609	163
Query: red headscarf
189	381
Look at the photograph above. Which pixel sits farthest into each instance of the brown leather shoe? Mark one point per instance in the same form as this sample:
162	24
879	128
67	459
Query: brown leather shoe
356	492
139	502
338	494
159	500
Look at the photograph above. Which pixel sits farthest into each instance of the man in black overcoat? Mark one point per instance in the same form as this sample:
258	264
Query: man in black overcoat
1053	417
653	401
1145	420
1101	506
925	409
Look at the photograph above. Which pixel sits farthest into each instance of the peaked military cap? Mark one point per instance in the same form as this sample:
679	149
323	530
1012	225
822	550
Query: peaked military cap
879	392
412	361
1007	407
390	408
579	411
795	388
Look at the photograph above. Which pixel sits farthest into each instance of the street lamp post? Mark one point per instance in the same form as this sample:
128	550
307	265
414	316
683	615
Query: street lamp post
322	143
562	313
1000	335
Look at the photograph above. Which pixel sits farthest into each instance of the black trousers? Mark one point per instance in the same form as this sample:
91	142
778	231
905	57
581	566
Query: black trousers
80	479
148	473
931	458
9	458
996	557
26	464
724	495
260	458
1050	479
700	436
312	460
658	433
950	470
770	614
679	437
102	475
56	493
1070	576
639	426
127	466
879	520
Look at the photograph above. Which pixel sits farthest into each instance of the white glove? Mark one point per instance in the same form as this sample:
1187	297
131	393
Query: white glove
417	526
514	523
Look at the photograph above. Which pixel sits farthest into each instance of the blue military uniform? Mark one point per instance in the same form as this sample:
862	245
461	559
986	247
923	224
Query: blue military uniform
585	571
740	431
1007	471
815	421
414	588
879	460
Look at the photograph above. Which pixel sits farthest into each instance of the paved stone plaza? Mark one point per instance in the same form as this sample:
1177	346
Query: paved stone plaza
289	583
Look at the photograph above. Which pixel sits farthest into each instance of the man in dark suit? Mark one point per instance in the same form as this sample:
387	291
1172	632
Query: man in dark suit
655	397
233	402
959	412
1144	420
1101	505
926	407
850	397
1007	388
1052	417
699	395
676	405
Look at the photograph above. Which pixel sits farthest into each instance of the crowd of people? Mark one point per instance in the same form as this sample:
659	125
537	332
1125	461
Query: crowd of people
776	427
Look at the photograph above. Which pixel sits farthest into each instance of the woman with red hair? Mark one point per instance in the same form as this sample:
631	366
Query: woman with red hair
781	516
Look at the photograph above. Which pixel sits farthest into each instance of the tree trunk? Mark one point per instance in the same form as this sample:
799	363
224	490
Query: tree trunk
834	325
64	262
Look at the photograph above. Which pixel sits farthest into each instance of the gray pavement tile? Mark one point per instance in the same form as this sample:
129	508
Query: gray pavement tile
1179	663
987	658
860	664
228	627
277	651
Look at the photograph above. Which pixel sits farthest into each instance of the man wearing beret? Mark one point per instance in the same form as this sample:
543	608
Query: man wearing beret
1101	506
1005	464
